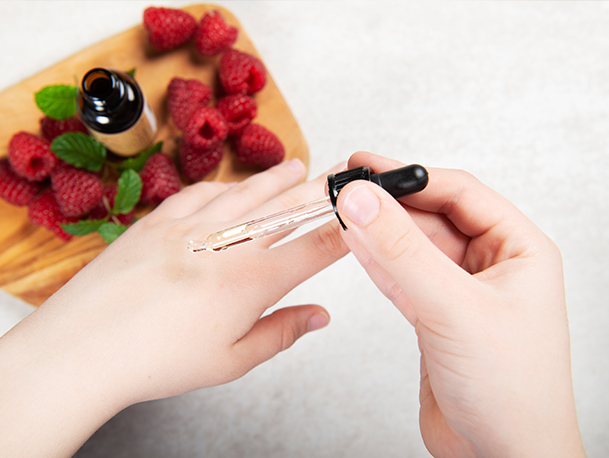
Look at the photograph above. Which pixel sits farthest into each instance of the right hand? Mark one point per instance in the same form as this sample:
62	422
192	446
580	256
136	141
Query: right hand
484	289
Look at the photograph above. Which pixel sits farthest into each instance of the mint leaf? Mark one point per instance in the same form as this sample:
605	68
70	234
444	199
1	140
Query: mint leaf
131	72
111	231
57	102
80	150
83	227
137	163
128	193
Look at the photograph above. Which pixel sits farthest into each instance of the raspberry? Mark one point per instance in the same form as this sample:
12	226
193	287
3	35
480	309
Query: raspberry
52	128
100	211
14	189
205	128
241	73
31	156
44	211
214	35
196	163
259	147
183	96
77	191
168	28
160	179
238	110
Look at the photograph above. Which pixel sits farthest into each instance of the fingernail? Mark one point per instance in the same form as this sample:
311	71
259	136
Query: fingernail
361	206
318	321
295	164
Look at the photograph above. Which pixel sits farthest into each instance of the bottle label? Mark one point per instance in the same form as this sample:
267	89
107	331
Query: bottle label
133	140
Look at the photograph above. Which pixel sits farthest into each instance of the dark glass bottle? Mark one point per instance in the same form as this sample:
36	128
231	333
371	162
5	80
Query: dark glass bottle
114	109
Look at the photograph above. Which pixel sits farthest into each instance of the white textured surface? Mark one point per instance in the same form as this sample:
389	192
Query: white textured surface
515	92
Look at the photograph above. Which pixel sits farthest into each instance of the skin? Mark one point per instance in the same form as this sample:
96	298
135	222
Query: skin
483	288
147	319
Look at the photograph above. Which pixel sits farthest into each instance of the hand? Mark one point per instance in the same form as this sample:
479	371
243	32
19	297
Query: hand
483	287
148	319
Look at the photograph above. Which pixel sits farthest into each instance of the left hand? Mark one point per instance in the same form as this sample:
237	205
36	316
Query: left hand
148	319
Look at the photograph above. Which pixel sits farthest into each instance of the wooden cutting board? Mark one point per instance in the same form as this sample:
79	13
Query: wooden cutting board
34	263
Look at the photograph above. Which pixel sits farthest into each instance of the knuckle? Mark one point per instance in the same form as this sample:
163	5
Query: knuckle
289	335
401	247
244	188
329	242
393	292
289	200
466	180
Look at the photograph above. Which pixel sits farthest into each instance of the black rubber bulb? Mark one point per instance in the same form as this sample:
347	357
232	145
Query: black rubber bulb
398	182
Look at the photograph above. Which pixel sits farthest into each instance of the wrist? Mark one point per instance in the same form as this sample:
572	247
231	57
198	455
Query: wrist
53	385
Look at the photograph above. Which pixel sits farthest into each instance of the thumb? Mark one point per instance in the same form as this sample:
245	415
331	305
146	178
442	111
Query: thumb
378	223
278	331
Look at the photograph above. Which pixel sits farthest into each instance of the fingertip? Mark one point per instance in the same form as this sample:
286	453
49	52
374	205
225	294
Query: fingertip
319	320
295	165
359	204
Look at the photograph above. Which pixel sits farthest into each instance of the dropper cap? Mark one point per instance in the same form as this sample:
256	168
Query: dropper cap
398	182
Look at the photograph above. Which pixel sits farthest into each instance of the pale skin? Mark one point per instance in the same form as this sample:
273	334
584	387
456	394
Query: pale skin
483	287
147	319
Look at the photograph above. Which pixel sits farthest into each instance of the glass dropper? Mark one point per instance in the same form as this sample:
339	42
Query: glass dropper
399	183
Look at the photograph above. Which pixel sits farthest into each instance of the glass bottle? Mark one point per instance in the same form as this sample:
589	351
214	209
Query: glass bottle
113	108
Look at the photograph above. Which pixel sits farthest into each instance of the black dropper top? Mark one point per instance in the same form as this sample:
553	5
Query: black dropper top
398	182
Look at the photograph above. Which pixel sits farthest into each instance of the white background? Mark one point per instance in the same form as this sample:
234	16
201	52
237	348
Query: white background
515	92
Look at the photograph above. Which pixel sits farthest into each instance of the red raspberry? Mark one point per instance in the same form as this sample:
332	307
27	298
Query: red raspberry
168	28
52	128
77	191
196	163
183	96
241	73
160	179
14	189
100	211
238	110
259	147
205	128
214	35
31	156
44	211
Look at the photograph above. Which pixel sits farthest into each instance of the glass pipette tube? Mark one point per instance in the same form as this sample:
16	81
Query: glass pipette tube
265	226
398	182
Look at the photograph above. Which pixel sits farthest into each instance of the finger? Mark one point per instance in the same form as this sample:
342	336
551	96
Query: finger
384	282
378	222
294	262
192	198
255	190
278	331
377	163
294	197
471	206
436	226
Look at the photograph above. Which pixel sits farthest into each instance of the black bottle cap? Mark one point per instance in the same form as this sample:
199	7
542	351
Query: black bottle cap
398	182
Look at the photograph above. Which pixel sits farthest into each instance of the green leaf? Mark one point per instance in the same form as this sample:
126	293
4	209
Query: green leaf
111	231
80	150
83	227
137	163
131	72
57	102
128	193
